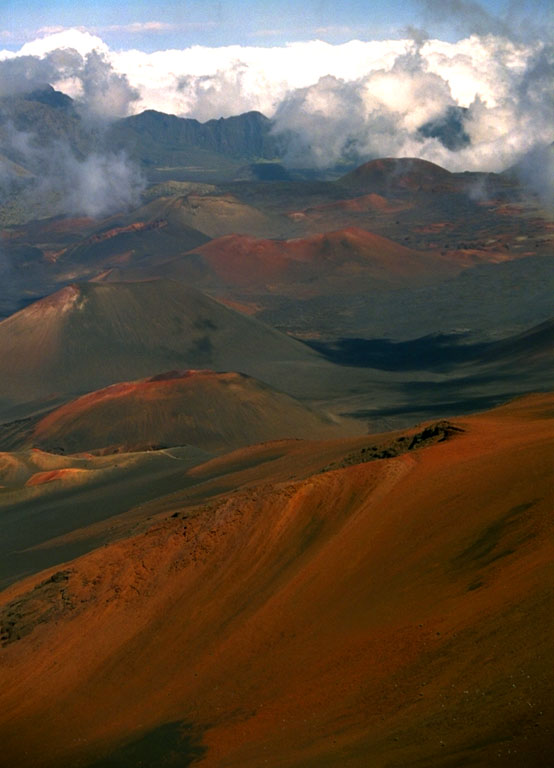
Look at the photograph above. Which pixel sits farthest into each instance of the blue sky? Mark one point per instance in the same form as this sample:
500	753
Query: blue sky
160	24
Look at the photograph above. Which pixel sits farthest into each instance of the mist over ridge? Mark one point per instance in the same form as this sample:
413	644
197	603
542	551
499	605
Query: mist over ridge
477	104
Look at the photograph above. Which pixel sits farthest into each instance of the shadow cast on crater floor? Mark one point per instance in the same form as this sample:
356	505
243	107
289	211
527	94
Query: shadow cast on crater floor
173	744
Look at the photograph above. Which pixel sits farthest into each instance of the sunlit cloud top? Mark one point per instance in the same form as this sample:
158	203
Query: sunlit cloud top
348	79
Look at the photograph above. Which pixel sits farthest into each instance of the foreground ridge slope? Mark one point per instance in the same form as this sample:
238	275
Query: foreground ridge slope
385	611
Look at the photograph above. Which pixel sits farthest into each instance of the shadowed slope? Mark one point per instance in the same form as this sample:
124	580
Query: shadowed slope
166	143
388	613
128	245
47	499
213	411
90	335
532	349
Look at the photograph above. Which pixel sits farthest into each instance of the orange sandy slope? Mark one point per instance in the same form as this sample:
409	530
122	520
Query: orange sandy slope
390	613
348	255
215	411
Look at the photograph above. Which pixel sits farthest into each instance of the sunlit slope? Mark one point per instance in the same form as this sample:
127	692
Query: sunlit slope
218	215
56	507
346	261
213	411
89	335
387	613
215	214
402	173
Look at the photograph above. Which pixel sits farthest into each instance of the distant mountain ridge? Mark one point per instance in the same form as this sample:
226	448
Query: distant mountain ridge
149	137
44	116
243	146
242	136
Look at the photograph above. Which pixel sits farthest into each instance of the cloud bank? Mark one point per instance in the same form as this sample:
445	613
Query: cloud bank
60	182
69	169
477	105
481	103
97	185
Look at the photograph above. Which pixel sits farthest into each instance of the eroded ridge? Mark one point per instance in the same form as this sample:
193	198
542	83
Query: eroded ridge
434	433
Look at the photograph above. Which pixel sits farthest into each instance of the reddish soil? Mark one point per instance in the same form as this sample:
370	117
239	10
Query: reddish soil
250	308
371	202
44	229
399	173
434	227
138	226
348	254
215	411
389	613
39	478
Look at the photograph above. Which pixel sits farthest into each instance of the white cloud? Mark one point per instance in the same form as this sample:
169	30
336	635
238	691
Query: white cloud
105	94
508	110
138	27
78	39
337	30
369	97
268	73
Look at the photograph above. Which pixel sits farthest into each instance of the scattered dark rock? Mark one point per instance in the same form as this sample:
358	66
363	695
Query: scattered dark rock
57	577
47	600
434	433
